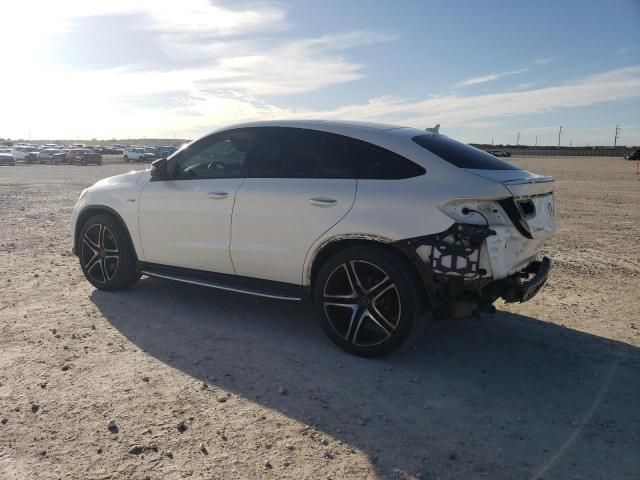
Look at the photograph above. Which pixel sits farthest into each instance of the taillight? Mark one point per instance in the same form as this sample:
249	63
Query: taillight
475	212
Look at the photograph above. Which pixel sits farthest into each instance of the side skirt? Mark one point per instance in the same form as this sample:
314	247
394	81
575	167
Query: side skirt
231	283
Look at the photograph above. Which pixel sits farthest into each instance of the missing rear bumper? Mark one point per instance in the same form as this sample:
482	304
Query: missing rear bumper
458	268
523	285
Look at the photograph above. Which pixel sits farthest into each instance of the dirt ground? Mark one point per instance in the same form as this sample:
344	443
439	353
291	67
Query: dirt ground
208	384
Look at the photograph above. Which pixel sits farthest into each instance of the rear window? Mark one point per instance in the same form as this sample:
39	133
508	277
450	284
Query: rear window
460	154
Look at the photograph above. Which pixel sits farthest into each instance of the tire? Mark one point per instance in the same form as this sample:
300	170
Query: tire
106	257
358	309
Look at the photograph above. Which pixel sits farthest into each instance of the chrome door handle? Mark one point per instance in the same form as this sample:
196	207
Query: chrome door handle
323	202
217	195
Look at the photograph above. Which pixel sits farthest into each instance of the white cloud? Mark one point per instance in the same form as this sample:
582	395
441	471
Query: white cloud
628	49
610	86
543	61
198	111
489	77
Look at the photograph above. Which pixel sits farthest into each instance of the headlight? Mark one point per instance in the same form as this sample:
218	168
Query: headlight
475	212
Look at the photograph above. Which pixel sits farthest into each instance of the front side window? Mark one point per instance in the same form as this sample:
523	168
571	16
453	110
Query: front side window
221	156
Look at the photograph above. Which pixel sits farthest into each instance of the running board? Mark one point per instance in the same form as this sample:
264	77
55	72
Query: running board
230	283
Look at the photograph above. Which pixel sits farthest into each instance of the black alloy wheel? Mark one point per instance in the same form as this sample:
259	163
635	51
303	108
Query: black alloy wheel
368	300
106	257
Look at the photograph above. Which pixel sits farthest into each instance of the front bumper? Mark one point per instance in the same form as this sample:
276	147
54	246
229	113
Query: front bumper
521	286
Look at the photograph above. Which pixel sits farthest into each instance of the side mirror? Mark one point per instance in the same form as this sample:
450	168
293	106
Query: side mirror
159	169
172	165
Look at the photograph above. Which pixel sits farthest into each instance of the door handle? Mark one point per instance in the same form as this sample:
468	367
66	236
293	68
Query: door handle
323	202
217	195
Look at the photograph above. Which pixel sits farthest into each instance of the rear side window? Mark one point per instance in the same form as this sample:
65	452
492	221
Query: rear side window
461	155
285	153
334	162
372	162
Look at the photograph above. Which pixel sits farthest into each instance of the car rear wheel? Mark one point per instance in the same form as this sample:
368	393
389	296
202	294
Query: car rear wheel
106	257
367	300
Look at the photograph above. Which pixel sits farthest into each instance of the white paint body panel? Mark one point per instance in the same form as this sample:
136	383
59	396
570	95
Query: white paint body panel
181	226
274	224
120	193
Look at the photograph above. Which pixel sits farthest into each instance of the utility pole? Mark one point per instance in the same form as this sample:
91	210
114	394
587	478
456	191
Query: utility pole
518	139
491	140
617	136
570	142
559	135
536	140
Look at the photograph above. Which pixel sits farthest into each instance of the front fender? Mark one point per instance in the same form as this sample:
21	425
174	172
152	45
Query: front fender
118	196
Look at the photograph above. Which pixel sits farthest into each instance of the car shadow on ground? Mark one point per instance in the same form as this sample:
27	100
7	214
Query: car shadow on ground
506	395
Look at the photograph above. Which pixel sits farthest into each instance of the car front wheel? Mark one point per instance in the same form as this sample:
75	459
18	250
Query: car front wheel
367	300
106	257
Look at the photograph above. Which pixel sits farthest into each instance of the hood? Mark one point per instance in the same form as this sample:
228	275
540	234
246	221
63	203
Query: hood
519	182
125	178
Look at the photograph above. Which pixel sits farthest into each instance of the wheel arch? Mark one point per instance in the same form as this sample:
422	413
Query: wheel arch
334	245
91	210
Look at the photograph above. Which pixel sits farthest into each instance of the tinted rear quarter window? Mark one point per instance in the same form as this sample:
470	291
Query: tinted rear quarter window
460	154
372	162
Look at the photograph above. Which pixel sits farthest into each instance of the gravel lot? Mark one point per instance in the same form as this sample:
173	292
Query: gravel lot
208	384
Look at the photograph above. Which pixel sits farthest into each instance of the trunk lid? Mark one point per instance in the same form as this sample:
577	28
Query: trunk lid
519	182
532	196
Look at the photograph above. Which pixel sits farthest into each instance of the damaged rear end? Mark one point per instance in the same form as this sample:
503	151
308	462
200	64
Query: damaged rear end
493	249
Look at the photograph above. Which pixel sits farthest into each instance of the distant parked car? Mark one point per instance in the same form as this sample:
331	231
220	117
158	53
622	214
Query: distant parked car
136	154
83	156
500	153
151	152
28	153
60	157
46	155
634	155
7	159
165	151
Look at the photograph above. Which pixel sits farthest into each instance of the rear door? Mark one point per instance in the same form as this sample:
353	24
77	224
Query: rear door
299	185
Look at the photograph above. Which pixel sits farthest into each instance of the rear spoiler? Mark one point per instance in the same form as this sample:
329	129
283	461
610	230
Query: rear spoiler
538	185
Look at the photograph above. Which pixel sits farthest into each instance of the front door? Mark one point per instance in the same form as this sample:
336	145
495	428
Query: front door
185	221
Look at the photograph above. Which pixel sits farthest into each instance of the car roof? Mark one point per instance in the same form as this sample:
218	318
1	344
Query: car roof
343	127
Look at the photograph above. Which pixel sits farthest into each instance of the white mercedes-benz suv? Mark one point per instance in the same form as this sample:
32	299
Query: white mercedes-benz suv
379	226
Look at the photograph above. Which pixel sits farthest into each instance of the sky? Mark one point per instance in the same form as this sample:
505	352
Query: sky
485	70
